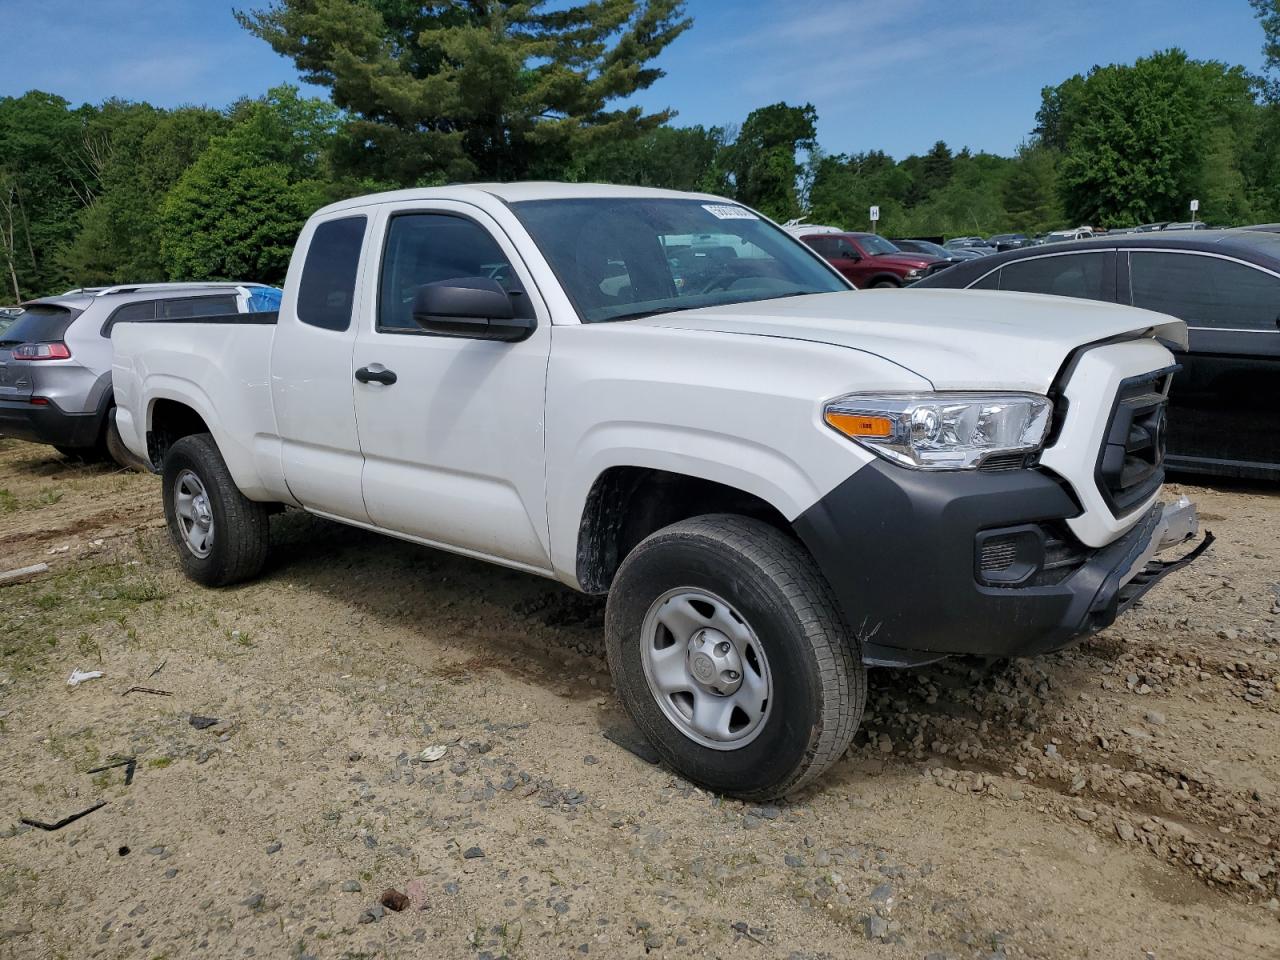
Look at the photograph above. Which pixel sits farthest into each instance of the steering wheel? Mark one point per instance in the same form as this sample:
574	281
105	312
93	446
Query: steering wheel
722	279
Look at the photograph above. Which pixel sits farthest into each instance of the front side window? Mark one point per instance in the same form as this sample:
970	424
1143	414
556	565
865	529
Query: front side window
1205	291
427	248
628	257
326	294
1070	275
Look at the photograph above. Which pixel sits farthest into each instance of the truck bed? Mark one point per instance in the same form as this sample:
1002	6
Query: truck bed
220	365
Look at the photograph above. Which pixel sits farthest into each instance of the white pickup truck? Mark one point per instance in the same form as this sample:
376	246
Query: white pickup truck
777	480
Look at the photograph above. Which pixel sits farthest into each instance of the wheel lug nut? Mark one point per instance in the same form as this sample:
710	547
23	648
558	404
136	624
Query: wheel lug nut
722	648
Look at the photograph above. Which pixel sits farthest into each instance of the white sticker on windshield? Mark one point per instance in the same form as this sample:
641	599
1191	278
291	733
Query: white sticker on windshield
729	211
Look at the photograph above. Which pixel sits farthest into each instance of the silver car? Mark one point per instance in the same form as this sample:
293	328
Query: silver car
55	358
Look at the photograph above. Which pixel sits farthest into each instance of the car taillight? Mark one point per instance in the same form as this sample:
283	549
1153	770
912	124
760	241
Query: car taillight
42	351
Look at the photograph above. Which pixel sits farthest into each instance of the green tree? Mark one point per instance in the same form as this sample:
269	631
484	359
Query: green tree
676	158
118	240
930	173
763	157
844	188
1031	190
462	89
235	213
1137	137
47	174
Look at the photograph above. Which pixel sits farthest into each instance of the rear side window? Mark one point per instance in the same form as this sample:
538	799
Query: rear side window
197	307
141	310
327	291
1205	291
40	323
1069	275
990	282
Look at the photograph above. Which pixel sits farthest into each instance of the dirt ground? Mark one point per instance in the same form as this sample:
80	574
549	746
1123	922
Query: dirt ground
1117	800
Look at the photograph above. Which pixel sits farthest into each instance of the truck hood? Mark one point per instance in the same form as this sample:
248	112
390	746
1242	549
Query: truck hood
956	339
908	261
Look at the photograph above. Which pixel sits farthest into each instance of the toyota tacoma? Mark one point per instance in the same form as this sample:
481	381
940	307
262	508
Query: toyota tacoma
778	481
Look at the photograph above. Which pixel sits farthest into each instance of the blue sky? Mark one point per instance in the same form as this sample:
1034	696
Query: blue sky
890	74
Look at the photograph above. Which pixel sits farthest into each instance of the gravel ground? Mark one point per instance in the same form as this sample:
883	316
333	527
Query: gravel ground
391	718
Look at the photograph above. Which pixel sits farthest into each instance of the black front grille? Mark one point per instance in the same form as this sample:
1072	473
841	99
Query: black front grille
997	555
1131	461
1002	462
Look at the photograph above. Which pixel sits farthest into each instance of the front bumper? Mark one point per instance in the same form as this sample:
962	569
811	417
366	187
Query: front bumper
37	423
899	550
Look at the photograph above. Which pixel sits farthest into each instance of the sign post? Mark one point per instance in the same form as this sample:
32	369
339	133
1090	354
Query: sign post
875	217
1195	208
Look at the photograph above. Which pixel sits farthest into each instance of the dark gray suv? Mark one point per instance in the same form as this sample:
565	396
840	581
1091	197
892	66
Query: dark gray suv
55	358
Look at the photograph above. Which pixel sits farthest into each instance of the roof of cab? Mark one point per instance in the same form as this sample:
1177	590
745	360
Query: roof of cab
517	192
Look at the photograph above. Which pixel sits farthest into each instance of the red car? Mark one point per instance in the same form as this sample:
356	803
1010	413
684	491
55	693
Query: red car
869	260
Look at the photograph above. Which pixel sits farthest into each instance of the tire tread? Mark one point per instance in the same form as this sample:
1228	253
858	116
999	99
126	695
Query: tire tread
835	648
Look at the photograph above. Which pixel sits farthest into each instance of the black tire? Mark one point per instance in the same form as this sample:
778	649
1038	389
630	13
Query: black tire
238	546
885	285
819	681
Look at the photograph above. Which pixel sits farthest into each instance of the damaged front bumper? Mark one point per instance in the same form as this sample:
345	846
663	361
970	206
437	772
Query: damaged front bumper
905	553
1169	526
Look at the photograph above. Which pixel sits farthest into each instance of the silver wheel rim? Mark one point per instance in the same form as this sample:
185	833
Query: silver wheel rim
706	668
194	512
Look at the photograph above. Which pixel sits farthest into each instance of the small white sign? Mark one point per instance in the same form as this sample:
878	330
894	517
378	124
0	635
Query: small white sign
1195	205
728	211
875	214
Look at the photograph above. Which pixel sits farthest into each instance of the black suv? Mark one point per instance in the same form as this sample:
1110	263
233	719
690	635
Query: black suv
1225	284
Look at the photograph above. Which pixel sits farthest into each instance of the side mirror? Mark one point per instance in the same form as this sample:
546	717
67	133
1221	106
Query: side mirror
474	307
850	255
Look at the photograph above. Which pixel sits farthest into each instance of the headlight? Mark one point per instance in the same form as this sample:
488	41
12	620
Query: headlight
942	431
913	275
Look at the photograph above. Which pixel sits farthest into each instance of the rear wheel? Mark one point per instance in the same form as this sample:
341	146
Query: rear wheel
220	535
729	653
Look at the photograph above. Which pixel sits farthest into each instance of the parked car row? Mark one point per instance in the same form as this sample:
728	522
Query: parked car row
55	357
1224	283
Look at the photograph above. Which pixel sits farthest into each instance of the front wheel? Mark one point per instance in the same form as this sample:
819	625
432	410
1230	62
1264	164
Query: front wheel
220	535
729	653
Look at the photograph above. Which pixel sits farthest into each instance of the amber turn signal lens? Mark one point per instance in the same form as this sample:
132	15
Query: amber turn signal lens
859	425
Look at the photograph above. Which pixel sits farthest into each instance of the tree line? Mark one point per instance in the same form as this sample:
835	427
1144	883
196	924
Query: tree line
422	94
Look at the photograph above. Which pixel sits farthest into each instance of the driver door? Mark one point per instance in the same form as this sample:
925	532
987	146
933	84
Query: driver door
453	438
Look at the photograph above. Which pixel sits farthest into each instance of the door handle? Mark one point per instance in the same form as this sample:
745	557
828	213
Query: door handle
386	377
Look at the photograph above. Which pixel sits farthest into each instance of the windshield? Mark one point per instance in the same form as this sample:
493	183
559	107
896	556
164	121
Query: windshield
39	323
927	246
622	258
874	246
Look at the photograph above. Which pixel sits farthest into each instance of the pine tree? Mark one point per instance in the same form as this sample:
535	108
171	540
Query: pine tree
475	89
